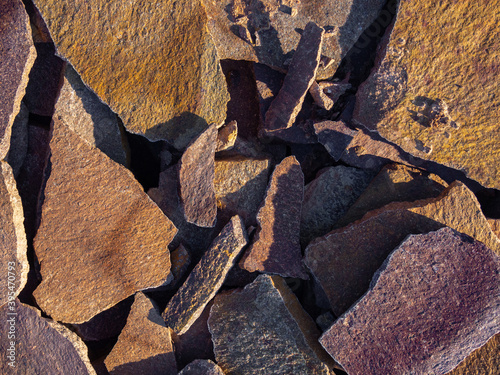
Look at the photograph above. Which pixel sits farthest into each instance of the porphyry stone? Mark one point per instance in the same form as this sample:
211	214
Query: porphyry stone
433	302
445	111
101	238
13	243
288	103
276	246
206	278
267	323
145	344
495	226
196	180
19	140
483	361
88	117
327	199
162	78
326	93
227	136
41	346
201	367
17	56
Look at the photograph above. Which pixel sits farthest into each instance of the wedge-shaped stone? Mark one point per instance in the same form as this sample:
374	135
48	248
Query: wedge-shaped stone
433	302
263	329
145	344
276	246
201	367
101	238
40	345
483	361
13	243
160	75
206	278
227	136
438	101
495	226
17	56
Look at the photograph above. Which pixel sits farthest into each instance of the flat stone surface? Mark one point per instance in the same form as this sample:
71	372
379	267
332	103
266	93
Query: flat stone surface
328	197
145	344
434	90
495	226
88	117
483	361
17	56
201	367
276	245
42	346
101	238
206	278
19	140
226	137
288	103
162	78
326	93
196	180
13	239
335	136
267	323
434	301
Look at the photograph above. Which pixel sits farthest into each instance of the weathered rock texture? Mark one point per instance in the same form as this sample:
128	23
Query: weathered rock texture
434	301
162	77
201	367
326	93
206	278
483	361
495	226
101	238
145	344
263	329
19	140
17	56
435	88
227	136
276	246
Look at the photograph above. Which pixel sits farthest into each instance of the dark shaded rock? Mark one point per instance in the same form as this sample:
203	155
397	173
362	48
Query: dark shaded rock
335	136
269	82
201	367
326	93
226	137
19	140
180	260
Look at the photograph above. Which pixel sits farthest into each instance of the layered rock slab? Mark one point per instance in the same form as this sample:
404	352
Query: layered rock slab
201	367
483	361
434	301
101	238
163	78
434	90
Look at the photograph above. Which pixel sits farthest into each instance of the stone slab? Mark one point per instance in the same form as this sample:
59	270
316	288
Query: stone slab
326	93
483	361
226	137
201	367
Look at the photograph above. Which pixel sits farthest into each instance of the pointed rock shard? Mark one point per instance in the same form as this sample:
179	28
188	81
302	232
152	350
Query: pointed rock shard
227	136
145	344
446	111
163	78
202	367
483	361
196	180
276	247
335	136
42	346
206	278
434	301
101	238
326	93
17	56
267	323
288	103
13	243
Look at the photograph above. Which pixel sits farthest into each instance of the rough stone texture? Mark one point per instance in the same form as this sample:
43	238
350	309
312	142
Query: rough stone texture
226	137
328	197
288	103
269	82
13	243
326	93
19	140
101	238
42	346
17	56
201	367
276	246
196	180
335	136
88	117
145	345
345	260
435	88
495	226
163	78
394	183
240	186
483	361
206	278
180	259
434	301
267	323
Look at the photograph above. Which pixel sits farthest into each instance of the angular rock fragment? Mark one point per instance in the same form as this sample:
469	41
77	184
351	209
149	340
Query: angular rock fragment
180	260
269	82
288	103
326	93
17	56
201	367
101	238
206	278
276	246
434	90
13	243
433	302
328	197
495	226
145	344
40	346
162	78
196	180
19	140
335	136
266	322
227	136
483	361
